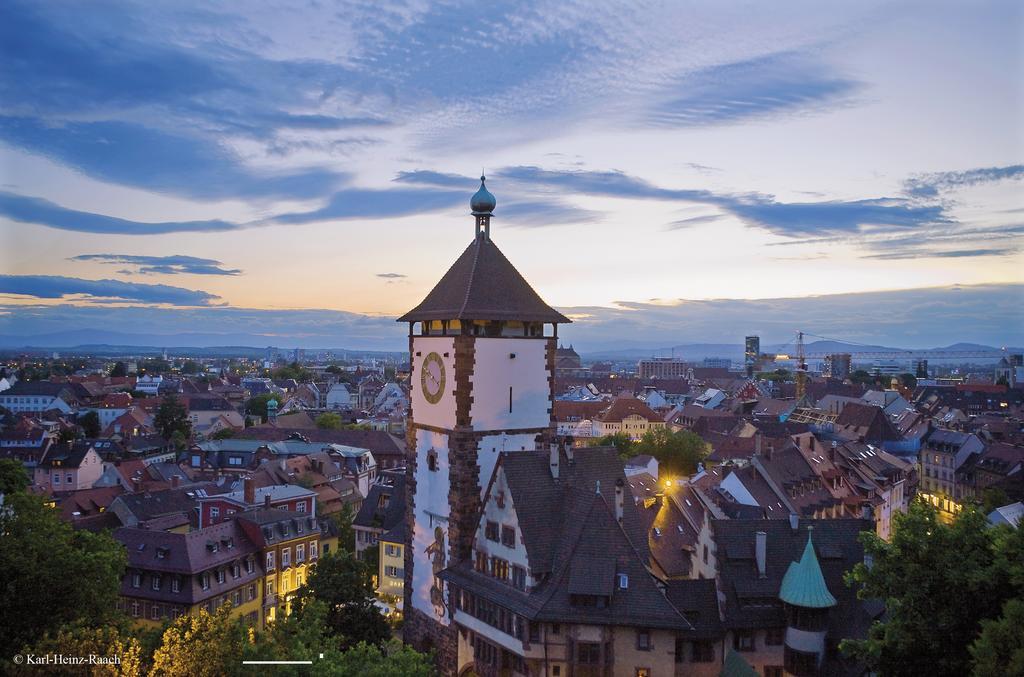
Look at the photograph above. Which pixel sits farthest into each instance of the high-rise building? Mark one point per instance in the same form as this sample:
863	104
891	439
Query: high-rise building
837	366
482	347
751	353
921	369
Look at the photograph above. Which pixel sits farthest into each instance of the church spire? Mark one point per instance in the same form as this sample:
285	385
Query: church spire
482	205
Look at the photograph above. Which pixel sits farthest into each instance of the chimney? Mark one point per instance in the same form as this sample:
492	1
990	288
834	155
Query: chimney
266	500
554	460
175	481
136	484
249	491
832	452
566	446
619	497
771	450
794	521
757	442
761	552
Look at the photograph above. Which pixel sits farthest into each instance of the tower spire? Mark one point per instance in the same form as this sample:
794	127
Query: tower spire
482	206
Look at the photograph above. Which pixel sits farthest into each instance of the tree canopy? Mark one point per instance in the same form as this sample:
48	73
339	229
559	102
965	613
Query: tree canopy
120	369
678	453
52	574
172	417
329	421
257	405
13	477
89	422
345	586
940	583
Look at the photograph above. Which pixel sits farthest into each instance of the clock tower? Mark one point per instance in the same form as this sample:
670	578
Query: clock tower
482	348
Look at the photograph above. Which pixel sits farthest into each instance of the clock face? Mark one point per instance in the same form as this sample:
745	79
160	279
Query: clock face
432	378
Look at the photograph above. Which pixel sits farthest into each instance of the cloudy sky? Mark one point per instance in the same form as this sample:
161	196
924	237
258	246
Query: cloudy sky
300	174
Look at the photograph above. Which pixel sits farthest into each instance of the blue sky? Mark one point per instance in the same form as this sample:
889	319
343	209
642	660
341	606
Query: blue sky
177	164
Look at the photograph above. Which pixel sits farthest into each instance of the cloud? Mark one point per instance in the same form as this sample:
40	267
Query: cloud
371	203
162	265
931	185
45	213
943	254
765	85
391	276
695	221
134	155
58	287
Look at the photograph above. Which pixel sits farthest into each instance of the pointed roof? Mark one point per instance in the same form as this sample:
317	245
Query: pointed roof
483	285
804	584
736	665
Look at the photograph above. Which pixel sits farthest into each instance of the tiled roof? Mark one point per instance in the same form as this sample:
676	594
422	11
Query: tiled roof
381	444
483	285
372	516
623	407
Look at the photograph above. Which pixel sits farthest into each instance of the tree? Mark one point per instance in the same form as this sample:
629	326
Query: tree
999	650
224	434
345	585
13	477
120	370
367	660
172	417
202	645
293	370
908	380
84	640
346	534
329	421
862	377
191	367
939	582
677	453
257	405
52	574
89	422
622	442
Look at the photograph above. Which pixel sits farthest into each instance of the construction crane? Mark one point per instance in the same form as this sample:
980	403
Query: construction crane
801	368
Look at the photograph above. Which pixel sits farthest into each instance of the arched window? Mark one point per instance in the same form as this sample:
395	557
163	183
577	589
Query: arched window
432	461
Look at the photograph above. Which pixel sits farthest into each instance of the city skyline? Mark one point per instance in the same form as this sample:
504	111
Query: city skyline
310	172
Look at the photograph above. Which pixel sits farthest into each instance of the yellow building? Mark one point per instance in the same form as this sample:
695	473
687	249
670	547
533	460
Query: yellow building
288	543
391	574
627	415
172	574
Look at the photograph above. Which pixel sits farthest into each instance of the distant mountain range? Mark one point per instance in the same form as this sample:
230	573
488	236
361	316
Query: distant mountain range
696	352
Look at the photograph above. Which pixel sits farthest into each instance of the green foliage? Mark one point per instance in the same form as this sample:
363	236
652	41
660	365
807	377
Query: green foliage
677	453
863	378
622	442
106	641
779	375
257	405
89	422
293	370
999	650
52	575
190	367
345	585
346	534
329	421
13	476
224	434
939	582
154	366
366	660
120	369
172	417
201	645
908	380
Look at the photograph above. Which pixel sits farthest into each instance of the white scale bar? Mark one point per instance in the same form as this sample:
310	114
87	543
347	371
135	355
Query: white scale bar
277	662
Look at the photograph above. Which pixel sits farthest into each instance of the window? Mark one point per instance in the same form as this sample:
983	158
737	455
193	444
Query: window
235	460
801	662
556	629
499	499
519	577
392	550
702	652
154	612
391	571
286	581
250	594
432	461
508	536
774	636
286	557
56	478
499	568
556	671
204	580
773	671
236	598
312	550
135	608
270	588
249	565
300	553
481	561
643	640
236	570
298	579
743	640
220	575
214	513
67	478
136	579
588	653
643	672
491	531
300	507
175	584
270	561
156	581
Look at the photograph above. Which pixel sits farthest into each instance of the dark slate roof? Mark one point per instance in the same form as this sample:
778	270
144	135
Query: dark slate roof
753	602
697	599
571	533
274	525
65	456
483	285
372	516
380	443
148	505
